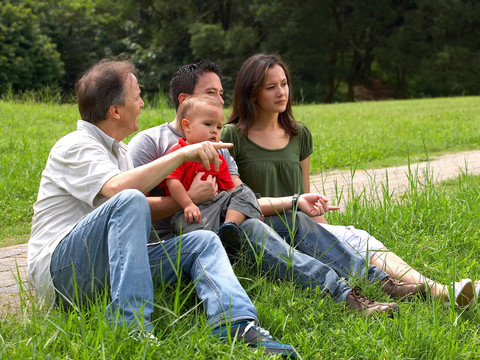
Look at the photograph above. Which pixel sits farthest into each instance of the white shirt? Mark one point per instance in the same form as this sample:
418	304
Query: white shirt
78	165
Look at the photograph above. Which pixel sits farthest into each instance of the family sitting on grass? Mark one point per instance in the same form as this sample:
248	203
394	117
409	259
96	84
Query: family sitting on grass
98	200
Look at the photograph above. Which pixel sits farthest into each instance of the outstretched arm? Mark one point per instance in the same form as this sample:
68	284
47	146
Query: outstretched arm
146	177
310	204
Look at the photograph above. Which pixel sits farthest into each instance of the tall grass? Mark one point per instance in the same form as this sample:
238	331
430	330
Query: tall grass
433	227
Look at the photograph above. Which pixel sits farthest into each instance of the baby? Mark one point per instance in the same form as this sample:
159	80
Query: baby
202	120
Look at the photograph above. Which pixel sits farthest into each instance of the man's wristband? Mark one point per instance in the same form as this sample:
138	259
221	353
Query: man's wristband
295	201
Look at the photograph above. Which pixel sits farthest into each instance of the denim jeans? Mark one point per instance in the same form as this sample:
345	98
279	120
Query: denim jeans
201	255
295	247
108	249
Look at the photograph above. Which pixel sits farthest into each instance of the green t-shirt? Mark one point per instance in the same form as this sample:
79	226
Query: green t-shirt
268	172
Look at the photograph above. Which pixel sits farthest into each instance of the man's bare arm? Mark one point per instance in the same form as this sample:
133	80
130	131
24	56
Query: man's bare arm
162	207
146	177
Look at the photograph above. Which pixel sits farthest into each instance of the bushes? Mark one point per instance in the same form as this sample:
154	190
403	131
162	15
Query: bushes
28	59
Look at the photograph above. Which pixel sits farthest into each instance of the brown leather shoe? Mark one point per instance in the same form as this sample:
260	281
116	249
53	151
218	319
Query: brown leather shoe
401	290
366	306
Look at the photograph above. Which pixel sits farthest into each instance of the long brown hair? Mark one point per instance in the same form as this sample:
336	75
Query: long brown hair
249	80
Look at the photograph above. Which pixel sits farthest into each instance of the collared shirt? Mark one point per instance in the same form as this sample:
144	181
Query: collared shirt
78	166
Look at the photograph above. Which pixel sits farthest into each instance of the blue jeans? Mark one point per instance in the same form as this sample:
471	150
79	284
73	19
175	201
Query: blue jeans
295	247
108	249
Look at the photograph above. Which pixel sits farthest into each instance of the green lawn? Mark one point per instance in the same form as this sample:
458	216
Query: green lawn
435	227
381	134
369	134
360	135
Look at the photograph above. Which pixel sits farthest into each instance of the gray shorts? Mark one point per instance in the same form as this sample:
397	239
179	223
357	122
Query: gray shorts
242	199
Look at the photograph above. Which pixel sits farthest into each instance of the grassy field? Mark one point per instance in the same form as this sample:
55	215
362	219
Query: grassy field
382	134
435	227
357	135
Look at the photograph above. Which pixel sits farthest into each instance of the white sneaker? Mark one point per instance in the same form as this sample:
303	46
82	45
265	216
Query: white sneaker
464	292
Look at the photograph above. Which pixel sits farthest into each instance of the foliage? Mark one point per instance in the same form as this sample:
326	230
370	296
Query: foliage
28	58
431	53
351	43
85	31
337	50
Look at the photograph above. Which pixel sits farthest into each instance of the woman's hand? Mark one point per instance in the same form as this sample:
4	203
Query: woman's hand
314	204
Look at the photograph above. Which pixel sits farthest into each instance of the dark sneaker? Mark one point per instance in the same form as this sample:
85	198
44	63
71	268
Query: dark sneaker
229	233
366	306
401	290
256	337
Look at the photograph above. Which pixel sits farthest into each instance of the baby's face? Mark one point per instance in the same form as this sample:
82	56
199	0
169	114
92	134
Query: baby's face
204	124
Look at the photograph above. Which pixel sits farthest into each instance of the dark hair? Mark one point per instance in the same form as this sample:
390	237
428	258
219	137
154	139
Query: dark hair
192	102
102	86
249	80
186	77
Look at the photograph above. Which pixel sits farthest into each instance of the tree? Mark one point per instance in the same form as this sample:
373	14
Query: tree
28	59
421	48
451	67
84	31
365	25
304	33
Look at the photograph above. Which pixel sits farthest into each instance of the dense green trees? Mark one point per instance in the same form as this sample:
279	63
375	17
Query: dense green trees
28	58
337	49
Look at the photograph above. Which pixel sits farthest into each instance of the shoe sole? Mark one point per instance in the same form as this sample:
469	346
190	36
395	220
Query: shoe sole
466	295
285	353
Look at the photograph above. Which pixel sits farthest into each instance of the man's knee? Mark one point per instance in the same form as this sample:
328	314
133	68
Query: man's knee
290	218
203	239
134	200
302	217
255	230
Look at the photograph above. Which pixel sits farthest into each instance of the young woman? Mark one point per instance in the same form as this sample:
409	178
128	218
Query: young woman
272	152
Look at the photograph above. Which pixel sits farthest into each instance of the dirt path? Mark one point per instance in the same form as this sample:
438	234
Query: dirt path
442	168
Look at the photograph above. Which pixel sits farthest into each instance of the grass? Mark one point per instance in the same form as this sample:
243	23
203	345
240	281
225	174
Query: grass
381	134
345	135
433	226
